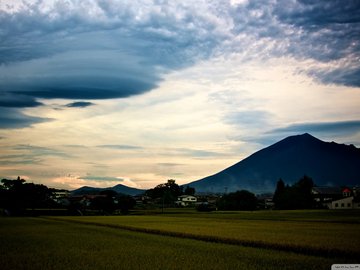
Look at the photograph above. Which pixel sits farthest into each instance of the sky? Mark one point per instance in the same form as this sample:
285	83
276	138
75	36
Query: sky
100	93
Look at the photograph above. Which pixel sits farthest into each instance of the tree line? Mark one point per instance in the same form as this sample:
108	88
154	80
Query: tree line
286	197
106	202
168	192
296	196
17	196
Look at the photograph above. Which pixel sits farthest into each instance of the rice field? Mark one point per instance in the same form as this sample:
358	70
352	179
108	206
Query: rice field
306	235
186	240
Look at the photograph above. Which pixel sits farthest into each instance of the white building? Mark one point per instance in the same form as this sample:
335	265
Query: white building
185	200
345	203
60	194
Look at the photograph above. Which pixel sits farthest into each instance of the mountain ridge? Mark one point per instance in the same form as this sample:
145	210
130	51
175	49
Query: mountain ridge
119	188
328	163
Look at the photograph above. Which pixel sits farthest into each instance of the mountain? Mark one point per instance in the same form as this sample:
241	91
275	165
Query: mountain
327	163
121	189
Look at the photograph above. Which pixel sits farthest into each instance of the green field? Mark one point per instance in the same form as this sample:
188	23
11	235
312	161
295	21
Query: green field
186	239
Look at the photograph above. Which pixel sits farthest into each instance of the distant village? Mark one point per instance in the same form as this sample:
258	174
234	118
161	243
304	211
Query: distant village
20	198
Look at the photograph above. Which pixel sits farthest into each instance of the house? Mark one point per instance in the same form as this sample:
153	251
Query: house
141	199
349	202
324	195
336	197
60	194
186	200
209	198
346	192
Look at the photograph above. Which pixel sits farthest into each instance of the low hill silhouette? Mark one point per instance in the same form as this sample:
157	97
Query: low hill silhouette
121	189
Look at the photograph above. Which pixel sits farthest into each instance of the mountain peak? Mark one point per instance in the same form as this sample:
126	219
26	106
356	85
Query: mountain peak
301	140
304	136
307	135
290	159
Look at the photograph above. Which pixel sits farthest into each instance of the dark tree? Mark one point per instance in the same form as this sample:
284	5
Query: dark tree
305	184
239	200
167	192
103	203
109	193
279	193
304	187
17	196
297	196
189	191
12	184
125	203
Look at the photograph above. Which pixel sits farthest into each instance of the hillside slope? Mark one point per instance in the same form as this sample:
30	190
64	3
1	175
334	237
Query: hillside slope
290	159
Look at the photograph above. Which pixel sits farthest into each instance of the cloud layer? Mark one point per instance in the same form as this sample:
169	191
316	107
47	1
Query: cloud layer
334	128
150	89
106	49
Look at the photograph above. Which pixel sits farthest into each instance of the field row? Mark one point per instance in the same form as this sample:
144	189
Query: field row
328	239
36	243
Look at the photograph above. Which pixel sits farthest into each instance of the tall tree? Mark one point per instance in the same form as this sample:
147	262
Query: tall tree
279	193
239	200
297	196
167	192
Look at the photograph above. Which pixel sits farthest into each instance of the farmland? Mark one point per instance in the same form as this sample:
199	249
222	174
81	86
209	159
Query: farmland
176	240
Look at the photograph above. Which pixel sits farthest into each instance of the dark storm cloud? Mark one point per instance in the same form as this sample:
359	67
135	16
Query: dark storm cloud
109	49
100	50
325	30
343	76
315	14
17	101
79	104
96	74
12	118
132	47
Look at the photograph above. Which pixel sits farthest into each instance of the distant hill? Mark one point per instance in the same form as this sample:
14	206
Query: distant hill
121	189
327	163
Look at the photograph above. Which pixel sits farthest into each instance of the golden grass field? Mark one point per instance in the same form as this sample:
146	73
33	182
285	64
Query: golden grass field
185	239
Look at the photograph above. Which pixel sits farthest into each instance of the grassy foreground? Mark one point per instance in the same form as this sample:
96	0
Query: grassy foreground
100	243
322	233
